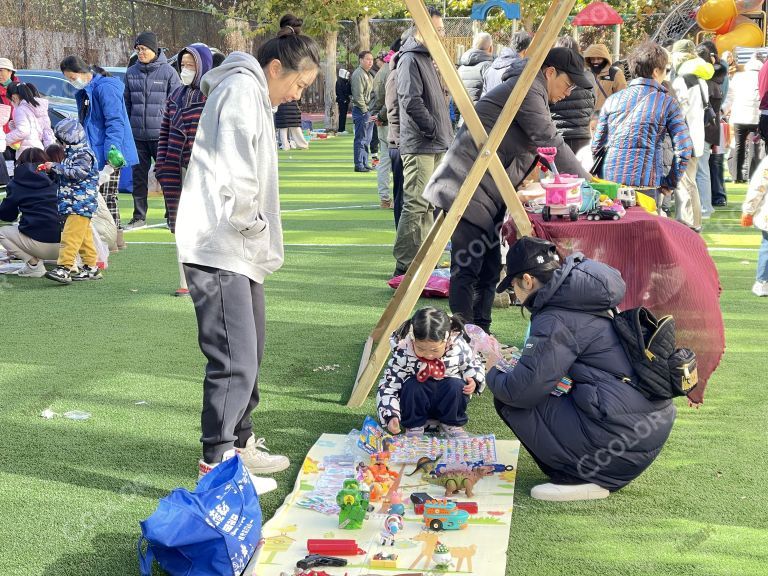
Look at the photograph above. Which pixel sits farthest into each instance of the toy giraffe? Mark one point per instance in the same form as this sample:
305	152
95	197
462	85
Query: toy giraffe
429	541
464	553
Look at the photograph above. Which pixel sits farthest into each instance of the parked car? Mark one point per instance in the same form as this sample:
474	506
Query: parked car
48	82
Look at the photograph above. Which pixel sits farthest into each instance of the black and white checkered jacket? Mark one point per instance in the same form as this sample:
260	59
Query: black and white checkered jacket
460	362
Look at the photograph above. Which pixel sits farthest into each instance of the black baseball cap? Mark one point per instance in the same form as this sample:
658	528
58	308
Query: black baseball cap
570	62
526	255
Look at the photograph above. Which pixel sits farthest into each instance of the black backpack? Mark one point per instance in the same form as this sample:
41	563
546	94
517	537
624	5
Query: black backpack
662	370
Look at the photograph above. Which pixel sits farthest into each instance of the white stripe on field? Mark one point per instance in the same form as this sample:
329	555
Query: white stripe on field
300	245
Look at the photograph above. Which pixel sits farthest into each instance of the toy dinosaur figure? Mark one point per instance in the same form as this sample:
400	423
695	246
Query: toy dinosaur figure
459	478
426	465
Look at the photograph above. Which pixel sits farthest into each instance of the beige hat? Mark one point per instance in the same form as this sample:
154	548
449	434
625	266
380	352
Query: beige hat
7	64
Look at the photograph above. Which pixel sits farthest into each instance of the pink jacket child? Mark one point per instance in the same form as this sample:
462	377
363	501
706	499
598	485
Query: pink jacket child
44	121
26	130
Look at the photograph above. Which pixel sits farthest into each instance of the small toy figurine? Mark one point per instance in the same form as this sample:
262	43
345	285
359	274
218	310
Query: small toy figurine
425	464
442	556
383	560
354	505
396	503
607	209
392	525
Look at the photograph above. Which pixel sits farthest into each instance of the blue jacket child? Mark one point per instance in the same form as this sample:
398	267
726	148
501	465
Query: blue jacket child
78	174
78	179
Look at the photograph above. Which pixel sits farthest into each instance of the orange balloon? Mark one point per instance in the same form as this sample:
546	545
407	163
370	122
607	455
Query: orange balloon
713	14
745	34
725	28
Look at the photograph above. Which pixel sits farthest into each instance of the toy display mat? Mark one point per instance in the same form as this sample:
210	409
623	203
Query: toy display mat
482	544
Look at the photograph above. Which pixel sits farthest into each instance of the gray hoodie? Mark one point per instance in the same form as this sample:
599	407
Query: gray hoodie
229	212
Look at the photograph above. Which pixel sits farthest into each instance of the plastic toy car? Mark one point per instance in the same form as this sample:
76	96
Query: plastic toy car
444	515
313	560
563	197
627	196
614	212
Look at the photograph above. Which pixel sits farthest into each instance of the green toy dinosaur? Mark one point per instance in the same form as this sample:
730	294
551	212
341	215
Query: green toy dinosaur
459	478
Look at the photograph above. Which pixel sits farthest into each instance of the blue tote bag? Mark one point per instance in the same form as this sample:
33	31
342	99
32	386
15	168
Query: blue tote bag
212	531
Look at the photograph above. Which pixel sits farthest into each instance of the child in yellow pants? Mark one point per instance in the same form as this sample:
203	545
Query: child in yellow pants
78	179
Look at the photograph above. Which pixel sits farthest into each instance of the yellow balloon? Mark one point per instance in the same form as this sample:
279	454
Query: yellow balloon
714	13
746	34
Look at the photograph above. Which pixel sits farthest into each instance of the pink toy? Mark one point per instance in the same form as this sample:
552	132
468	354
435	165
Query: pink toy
549	153
563	192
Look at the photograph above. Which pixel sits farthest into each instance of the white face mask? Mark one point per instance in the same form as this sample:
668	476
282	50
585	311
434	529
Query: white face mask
187	76
78	83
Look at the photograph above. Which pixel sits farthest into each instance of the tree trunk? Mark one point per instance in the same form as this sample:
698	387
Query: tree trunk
363	33
331	109
236	32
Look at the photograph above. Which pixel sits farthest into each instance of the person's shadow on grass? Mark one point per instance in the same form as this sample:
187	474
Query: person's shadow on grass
108	553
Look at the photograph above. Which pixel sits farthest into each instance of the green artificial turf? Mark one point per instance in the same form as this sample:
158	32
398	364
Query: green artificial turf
125	350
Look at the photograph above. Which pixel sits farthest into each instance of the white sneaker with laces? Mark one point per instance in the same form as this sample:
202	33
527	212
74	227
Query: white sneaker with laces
29	271
262	485
257	459
453	431
760	288
568	492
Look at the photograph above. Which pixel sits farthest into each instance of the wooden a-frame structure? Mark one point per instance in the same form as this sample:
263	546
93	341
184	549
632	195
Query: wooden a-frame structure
377	349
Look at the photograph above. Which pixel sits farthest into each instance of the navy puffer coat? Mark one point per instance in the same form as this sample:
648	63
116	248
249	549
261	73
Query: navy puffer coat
573	113
147	87
603	431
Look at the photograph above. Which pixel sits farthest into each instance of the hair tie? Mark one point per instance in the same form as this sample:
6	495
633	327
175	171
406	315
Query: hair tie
291	29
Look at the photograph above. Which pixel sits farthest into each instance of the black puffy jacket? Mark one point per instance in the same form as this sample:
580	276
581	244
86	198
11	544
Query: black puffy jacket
288	115
573	114
603	431
147	87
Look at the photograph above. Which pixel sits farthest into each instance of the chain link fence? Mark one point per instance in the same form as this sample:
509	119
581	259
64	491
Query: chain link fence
39	33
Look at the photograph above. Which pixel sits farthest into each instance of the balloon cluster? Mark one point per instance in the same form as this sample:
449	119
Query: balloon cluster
726	18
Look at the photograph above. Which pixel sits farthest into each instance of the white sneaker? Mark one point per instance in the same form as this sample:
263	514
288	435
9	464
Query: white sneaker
760	288
453	431
568	493
257	459
262	485
36	271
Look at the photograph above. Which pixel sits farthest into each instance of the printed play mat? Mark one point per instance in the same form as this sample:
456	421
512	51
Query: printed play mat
458	535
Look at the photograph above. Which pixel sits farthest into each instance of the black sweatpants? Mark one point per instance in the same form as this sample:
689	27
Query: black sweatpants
147	150
441	400
231	327
475	271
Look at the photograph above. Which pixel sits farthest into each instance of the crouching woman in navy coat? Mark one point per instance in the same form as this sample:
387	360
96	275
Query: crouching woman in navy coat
600	434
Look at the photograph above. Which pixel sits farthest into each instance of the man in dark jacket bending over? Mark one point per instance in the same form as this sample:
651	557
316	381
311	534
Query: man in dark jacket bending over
475	252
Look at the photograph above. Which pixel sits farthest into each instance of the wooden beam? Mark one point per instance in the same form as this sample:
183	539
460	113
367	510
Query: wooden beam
430	251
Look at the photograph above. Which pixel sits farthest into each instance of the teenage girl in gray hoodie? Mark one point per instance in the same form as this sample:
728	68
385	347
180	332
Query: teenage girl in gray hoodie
229	235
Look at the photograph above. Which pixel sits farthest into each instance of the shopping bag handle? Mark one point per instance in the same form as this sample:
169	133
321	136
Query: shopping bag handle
145	559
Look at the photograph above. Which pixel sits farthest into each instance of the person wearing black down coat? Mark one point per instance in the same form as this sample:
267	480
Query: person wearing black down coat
597	434
288	124
148	84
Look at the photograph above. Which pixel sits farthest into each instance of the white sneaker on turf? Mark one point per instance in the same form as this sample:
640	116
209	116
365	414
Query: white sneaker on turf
29	271
760	288
257	459
262	485
568	493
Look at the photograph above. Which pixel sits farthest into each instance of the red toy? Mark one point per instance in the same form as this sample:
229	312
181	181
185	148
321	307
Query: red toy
334	547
